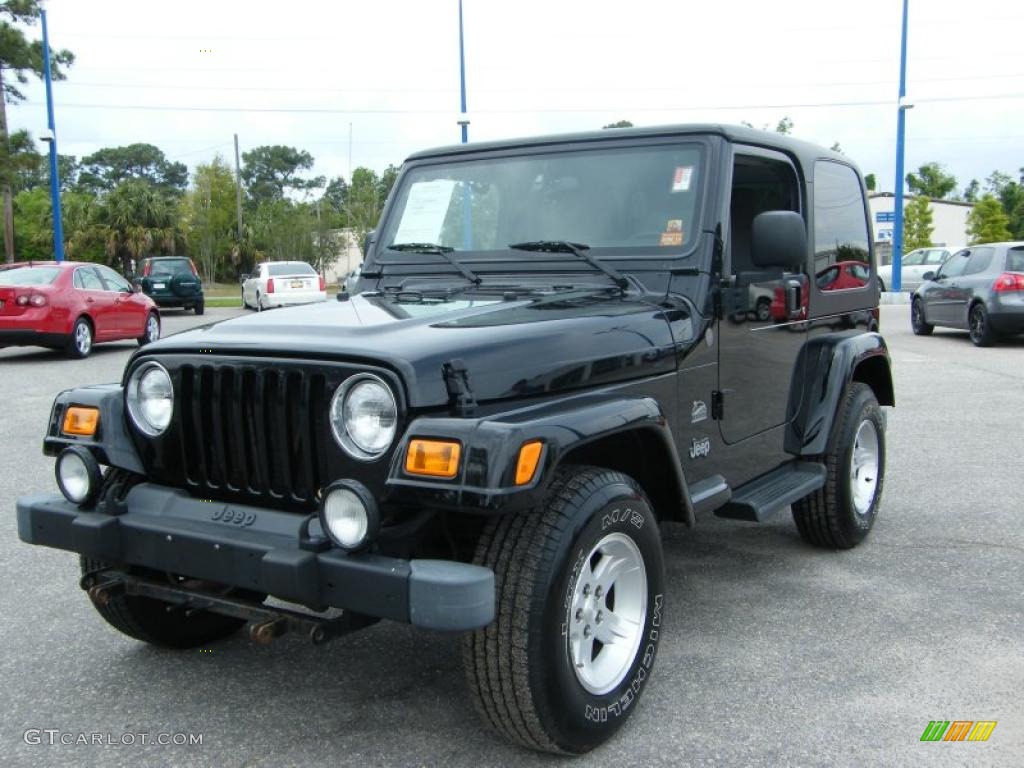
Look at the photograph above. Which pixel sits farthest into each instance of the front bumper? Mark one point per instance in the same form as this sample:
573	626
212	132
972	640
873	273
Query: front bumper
258	549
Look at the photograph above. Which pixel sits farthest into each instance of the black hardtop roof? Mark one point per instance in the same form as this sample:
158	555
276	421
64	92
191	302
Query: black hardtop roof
804	150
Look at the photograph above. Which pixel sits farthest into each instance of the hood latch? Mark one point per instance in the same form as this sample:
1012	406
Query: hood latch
456	379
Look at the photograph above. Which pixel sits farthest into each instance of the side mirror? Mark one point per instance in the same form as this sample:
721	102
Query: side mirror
368	241
779	239
929	275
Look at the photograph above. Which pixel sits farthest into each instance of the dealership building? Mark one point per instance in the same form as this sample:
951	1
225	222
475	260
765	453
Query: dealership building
949	220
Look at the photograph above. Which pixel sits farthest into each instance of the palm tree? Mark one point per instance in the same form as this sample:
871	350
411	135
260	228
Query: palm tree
134	219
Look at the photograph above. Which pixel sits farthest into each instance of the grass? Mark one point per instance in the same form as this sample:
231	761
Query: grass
230	294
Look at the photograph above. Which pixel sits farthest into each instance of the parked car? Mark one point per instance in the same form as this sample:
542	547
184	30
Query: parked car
281	284
980	289
489	440
914	265
172	281
71	306
843	275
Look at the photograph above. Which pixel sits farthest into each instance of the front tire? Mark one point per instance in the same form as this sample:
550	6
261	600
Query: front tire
840	514
917	322
149	620
580	588
982	334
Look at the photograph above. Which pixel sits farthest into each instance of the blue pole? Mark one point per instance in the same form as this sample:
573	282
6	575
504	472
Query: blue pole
462	80
58	225
901	125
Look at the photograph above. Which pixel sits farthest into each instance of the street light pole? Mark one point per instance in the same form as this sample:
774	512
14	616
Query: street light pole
901	125
58	224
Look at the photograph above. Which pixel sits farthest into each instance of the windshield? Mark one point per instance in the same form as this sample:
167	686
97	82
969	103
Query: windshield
621	201
29	275
284	268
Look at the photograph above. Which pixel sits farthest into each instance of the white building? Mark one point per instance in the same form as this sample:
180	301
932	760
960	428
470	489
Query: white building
949	220
349	256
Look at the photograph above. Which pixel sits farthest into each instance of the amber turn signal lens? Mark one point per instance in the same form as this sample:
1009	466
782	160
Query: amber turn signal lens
436	458
81	421
529	455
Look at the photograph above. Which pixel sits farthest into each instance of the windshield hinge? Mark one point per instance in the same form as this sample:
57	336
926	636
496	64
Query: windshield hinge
456	379
717	405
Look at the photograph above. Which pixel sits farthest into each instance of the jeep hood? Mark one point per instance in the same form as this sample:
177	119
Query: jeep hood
511	348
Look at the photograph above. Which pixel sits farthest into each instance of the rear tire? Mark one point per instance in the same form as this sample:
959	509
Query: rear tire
982	334
259	302
840	514
148	620
152	331
80	343
580	583
200	307
917	323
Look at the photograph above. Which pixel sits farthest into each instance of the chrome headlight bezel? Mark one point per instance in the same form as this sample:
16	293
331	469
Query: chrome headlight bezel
341	429
135	406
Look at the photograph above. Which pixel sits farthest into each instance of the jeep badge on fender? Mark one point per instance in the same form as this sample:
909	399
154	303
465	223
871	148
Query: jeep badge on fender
554	346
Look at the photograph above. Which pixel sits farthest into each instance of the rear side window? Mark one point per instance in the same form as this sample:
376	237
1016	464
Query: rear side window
979	260
840	224
937	256
29	275
1015	260
290	268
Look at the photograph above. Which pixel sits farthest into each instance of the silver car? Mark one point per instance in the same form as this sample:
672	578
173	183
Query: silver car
915	264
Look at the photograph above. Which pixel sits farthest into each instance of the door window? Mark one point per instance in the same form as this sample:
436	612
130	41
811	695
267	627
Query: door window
840	224
914	259
86	279
114	281
978	261
954	267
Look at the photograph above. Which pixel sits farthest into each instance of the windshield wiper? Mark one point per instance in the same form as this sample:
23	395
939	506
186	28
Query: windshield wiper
579	250
441	250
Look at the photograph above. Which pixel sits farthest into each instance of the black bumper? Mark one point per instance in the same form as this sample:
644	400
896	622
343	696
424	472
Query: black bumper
167	530
30	338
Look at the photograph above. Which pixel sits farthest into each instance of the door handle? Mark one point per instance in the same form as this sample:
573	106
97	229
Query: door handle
90	300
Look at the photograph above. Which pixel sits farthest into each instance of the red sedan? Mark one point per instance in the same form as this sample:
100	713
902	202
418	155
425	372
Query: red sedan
71	306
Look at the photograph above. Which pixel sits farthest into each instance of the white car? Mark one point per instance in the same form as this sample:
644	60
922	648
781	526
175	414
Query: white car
282	284
915	264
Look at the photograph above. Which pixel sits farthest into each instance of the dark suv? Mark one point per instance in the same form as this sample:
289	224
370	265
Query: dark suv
171	281
553	348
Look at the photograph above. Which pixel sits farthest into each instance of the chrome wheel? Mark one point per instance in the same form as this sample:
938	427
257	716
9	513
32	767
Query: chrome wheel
83	338
152	329
864	467
607	613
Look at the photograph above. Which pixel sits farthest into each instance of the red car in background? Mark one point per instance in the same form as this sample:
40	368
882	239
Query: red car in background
71	306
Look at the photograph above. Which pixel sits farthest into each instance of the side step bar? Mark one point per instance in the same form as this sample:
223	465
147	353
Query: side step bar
769	493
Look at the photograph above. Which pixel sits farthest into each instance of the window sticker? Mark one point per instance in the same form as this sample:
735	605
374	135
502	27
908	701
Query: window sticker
681	181
671	238
674	225
425	211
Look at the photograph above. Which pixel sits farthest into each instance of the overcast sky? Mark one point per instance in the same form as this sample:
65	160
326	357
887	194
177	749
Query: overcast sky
185	75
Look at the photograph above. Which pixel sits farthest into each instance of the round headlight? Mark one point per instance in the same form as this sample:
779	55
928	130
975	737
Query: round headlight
151	398
348	514
78	475
364	416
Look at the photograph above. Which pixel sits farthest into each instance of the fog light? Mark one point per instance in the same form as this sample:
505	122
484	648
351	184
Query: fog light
348	514
78	475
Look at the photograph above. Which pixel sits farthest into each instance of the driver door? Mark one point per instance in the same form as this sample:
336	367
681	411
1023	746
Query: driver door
939	301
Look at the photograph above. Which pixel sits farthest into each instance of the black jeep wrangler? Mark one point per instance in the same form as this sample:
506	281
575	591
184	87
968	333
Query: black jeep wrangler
555	346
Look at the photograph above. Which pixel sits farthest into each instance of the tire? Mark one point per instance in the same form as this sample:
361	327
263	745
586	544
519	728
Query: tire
259	302
200	307
763	311
148	620
982	334
245	304
840	514
881	286
917	323
152	331
522	680
80	342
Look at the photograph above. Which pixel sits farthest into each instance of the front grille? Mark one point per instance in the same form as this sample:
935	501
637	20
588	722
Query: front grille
253	431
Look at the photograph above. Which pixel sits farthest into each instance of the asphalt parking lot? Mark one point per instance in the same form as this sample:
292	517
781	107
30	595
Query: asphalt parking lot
776	654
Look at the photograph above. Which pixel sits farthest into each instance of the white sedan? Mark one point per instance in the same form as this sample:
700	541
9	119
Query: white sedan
281	284
915	264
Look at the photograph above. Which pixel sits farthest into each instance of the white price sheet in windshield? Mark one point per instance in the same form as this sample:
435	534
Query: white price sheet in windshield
425	210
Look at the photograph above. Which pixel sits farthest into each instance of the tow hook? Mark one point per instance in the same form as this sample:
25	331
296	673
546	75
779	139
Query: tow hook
264	632
101	594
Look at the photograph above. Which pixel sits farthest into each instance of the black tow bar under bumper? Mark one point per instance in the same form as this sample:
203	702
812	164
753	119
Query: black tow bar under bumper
165	530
